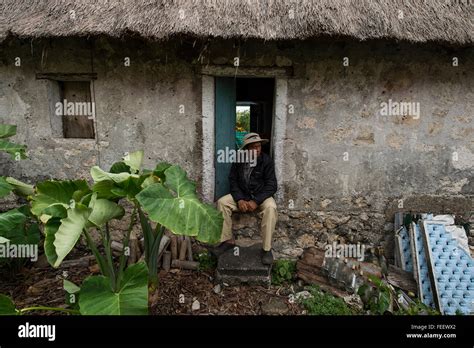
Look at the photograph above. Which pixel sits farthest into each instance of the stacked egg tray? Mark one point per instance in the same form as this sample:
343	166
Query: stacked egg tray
420	266
452	270
404	249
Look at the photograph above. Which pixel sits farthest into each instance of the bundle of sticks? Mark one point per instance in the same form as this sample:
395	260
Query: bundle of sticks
174	251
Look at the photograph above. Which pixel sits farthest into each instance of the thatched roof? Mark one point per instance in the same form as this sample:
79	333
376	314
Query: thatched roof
449	21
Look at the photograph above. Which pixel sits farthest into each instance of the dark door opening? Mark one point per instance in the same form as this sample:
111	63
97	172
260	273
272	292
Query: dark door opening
243	105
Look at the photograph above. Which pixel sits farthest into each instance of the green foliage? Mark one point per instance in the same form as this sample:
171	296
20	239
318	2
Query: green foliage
70	208
283	271
7	307
243	120
417	308
17	228
206	260
5	187
321	303
16	151
175	205
97	298
377	297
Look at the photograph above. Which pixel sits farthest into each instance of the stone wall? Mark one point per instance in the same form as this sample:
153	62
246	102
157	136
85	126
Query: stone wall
346	167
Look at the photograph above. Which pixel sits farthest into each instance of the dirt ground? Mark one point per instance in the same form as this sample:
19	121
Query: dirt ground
178	290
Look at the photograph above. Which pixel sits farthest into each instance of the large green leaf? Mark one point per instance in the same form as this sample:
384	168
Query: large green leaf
69	232
10	222
50	229
104	211
106	189
97	298
53	191
14	227
7	307
134	160
101	175
7	130
119	167
15	150
177	207
159	170
5	187
21	188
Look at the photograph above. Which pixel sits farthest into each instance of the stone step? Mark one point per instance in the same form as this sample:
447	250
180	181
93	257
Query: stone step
243	265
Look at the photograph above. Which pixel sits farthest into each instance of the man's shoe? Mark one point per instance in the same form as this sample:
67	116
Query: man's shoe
267	257
221	248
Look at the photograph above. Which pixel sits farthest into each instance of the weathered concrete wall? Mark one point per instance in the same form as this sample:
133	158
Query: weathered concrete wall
346	167
137	106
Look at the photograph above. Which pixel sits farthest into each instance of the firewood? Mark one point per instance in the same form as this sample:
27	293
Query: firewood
165	241
166	264
191	265
134	249
183	248
81	262
174	247
190	249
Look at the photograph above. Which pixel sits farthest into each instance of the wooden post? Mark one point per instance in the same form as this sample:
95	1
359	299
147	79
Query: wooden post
191	265
134	249
183	248
174	247
190	249
166	264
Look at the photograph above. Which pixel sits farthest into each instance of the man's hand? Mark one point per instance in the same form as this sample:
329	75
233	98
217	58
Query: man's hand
243	205
252	205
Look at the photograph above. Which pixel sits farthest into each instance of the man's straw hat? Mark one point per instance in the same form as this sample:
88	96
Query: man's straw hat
251	138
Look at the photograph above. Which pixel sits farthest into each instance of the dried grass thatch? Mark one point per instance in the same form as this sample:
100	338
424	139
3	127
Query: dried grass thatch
449	21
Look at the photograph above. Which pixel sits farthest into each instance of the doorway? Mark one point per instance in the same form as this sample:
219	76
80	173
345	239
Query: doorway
242	105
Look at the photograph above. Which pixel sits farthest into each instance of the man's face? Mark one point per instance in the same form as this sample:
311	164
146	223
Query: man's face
256	147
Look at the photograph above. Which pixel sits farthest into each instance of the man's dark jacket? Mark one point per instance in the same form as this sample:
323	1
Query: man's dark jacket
262	183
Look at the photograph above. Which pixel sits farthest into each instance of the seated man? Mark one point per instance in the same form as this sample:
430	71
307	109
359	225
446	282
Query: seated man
252	186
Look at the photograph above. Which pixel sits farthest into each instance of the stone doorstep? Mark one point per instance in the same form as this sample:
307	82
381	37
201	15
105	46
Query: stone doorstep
245	268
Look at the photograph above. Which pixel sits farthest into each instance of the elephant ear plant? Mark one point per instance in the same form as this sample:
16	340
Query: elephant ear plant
163	195
70	208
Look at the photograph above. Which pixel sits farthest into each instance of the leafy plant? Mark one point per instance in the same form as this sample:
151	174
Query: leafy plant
16	151
164	196
283	271
7	307
206	260
17	229
321	303
417	308
377	296
70	208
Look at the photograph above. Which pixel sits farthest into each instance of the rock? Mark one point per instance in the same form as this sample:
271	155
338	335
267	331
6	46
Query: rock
217	289
330	224
317	225
244	267
305	240
325	203
303	295
275	306
196	305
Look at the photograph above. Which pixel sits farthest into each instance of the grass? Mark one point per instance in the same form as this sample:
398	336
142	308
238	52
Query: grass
321	303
